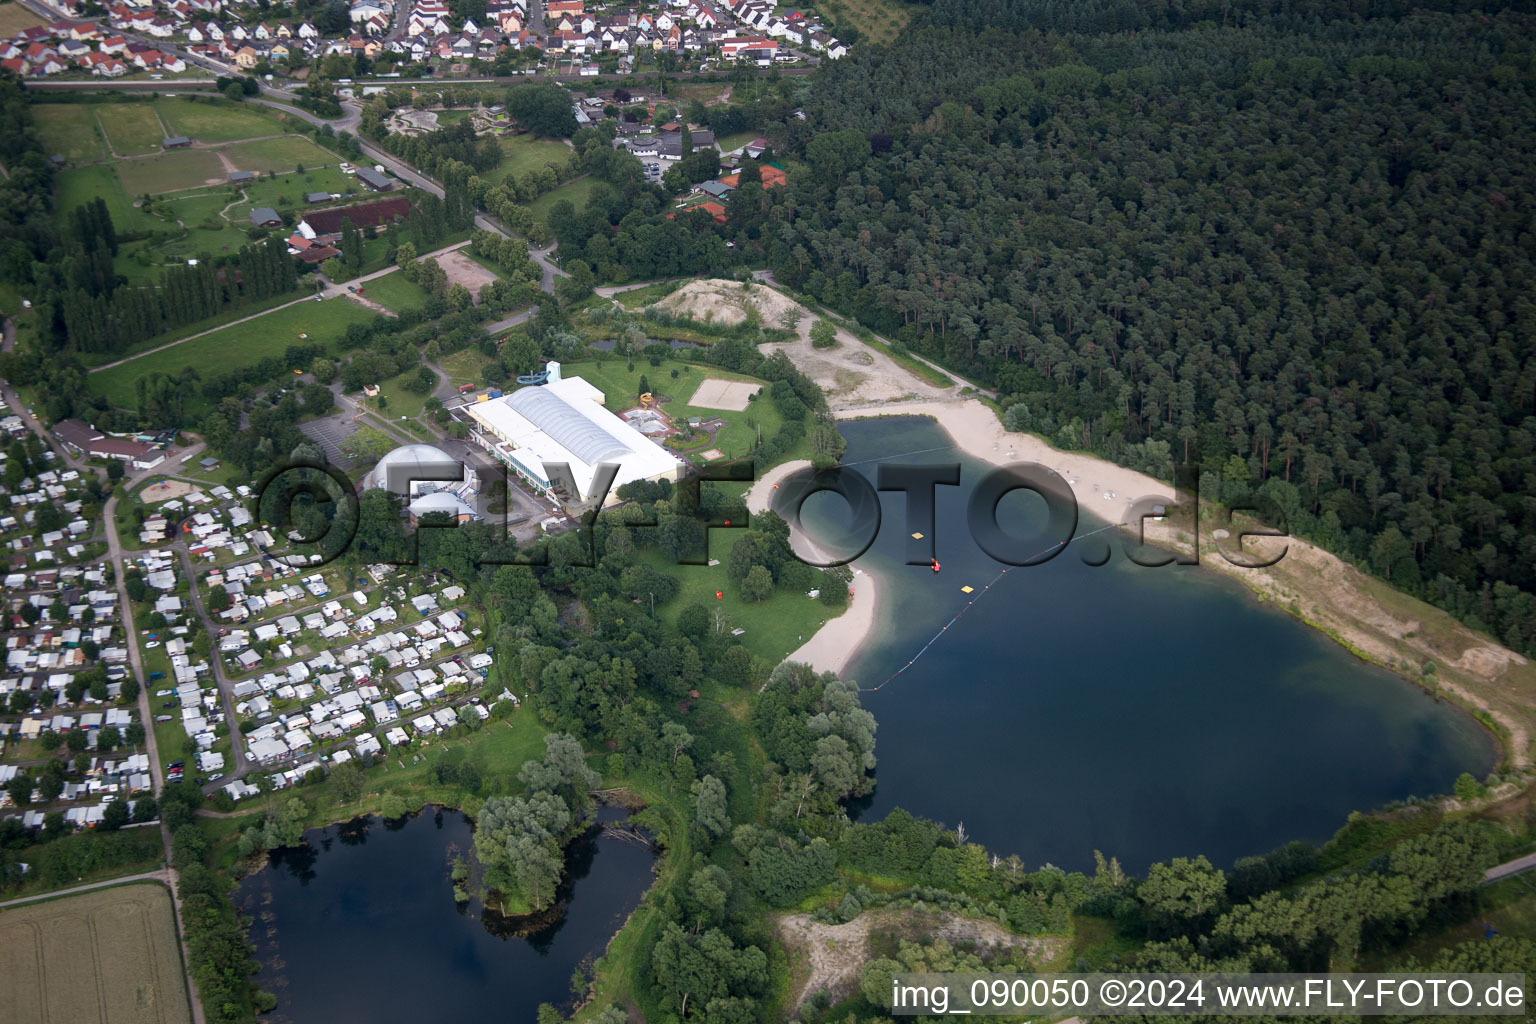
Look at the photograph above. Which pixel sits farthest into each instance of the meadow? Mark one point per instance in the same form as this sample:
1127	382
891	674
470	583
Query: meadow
578	192
80	185
170	172
466	366
282	154
522	153
132	128
240	344
219	121
109	955
68	130
394	292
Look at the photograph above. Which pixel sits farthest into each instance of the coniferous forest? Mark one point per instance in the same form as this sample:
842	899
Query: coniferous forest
1291	243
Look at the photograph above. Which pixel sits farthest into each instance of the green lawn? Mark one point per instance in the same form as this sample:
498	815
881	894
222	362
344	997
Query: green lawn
521	153
170	172
234	346
578	192
620	388
286	192
218	121
400	400
774	627
730	142
394	292
278	154
80	185
132	128
68	130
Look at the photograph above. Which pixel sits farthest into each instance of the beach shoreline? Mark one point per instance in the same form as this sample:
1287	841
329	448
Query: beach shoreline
1371	633
839	642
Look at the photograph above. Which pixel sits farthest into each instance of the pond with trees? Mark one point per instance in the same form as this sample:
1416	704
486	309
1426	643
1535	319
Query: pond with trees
360	922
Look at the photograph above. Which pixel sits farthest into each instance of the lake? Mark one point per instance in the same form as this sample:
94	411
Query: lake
1147	713
364	912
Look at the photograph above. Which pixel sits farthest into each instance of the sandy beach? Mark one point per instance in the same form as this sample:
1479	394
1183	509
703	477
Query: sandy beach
975	430
836	644
1374	622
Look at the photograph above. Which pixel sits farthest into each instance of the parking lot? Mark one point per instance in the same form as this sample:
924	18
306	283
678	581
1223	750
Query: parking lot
328	433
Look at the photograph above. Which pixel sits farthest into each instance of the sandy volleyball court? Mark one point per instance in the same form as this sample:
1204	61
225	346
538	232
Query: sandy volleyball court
732	395
165	490
465	271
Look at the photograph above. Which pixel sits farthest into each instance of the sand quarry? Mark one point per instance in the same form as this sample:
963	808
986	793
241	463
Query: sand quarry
830	956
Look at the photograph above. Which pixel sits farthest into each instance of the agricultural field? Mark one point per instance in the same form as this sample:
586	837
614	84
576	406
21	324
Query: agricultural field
68	130
133	129
578	192
170	172
282	154
394	292
220	121
109	955
523	153
15	18
239	344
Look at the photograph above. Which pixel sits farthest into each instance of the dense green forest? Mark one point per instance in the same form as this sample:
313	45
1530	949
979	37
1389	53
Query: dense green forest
1298	254
1295	251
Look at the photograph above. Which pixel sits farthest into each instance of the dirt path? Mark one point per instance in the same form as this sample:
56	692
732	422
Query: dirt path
829	956
363	300
244	198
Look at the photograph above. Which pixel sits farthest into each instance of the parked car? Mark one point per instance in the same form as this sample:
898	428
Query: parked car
151	645
177	764
169	704
165	693
215	777
162	718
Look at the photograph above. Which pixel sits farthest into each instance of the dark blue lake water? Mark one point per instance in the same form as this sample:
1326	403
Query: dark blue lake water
1147	713
360	924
